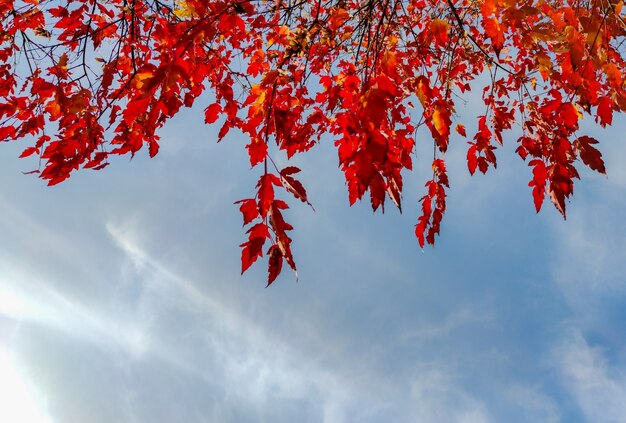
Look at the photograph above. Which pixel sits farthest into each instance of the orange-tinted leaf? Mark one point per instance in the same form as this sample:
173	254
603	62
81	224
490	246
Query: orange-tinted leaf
494	31
439	30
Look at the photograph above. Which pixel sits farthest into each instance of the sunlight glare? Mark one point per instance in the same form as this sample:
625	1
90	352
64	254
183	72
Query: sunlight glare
18	402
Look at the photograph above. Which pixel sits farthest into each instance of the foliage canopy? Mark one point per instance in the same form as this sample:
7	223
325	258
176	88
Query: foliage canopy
87	79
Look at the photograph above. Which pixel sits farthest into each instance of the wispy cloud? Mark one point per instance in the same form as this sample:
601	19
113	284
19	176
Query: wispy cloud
456	320
262	371
533	404
598	387
438	398
254	367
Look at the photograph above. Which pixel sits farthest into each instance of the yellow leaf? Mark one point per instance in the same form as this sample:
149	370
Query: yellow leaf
438	122
141	77
421	92
389	62
183	10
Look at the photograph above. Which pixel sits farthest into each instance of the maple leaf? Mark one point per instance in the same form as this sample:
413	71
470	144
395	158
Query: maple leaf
249	209
439	30
605	111
212	112
589	154
292	185
275	263
265	193
494	31
253	248
184	9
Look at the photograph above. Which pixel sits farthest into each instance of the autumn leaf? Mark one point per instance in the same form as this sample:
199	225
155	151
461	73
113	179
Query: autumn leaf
253	248
29	151
275	263
249	209
493	30
292	185
538	182
211	113
605	111
589	154
439	30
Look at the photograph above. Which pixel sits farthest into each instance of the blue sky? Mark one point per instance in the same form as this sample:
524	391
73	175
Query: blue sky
121	299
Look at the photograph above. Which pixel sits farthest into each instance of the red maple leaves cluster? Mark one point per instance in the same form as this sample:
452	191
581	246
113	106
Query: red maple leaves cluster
86	79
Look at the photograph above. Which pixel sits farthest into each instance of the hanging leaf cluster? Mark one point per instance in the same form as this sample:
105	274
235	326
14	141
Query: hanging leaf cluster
84	80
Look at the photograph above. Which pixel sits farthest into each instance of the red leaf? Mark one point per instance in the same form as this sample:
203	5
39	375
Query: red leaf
274	263
420	228
471	158
279	226
589	154
377	192
212	113
249	209
538	183
265	194
253	248
289	170
29	151
223	131
135	108
6	131
96	163
257	150
569	114
605	111
294	187
153	148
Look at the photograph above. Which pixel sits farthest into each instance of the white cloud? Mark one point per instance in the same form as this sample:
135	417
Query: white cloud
534	405
258	368
254	366
598	387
